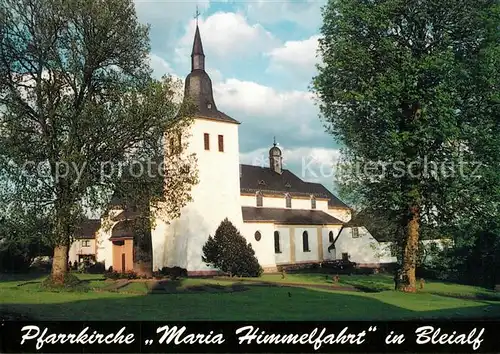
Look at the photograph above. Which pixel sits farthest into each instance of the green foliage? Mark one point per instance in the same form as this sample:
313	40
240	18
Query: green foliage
118	275
474	258
22	238
229	251
406	86
80	109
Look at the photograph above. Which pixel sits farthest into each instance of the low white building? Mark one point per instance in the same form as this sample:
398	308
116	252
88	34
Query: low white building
84	245
356	244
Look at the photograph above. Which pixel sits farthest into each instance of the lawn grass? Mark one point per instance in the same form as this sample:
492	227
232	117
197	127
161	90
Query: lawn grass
300	278
253	303
382	282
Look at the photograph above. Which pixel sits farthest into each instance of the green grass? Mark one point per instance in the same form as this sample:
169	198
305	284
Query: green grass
255	303
301	278
382	282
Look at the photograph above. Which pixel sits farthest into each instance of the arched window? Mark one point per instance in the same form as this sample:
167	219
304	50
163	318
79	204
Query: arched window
313	202
305	242
330	236
257	236
259	198
288	200
277	242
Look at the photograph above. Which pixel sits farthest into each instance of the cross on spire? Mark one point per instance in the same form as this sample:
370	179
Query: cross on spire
274	141
196	15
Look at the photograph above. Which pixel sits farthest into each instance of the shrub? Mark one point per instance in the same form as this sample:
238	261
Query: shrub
230	252
112	275
340	266
173	272
115	275
130	275
96	268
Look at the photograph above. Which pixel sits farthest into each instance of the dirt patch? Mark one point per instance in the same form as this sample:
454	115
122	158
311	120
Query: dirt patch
116	285
172	287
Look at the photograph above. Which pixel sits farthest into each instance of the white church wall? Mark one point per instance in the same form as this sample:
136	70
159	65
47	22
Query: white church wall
285	256
160	241
362	250
300	255
326	240
215	197
264	249
248	200
322	205
275	202
385	253
104	247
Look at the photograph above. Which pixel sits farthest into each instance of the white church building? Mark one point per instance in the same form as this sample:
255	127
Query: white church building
287	220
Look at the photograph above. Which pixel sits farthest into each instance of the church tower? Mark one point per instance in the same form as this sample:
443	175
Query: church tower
275	159
213	138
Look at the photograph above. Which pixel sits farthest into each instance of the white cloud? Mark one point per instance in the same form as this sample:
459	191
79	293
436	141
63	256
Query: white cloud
305	13
290	113
215	75
159	65
263	101
310	164
295	56
226	35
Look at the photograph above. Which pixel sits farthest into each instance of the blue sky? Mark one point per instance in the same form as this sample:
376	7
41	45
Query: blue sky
261	57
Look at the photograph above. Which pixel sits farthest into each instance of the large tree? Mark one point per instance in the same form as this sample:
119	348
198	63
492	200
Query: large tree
408	88
79	109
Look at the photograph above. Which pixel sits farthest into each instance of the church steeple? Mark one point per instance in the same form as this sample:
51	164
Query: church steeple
197	55
198	86
275	158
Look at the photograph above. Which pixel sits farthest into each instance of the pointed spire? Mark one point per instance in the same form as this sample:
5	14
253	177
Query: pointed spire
274	139
197	55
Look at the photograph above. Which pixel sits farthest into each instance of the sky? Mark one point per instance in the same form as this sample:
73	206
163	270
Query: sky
261	57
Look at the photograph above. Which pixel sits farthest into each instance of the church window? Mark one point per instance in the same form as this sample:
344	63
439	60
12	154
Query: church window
277	248
221	143
86	243
305	242
209	105
313	202
355	232
345	256
258	236
288	200
206	140
259	199
330	236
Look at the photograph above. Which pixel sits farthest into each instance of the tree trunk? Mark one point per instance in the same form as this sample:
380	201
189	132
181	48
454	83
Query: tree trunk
143	246
59	264
142	268
407	281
